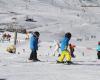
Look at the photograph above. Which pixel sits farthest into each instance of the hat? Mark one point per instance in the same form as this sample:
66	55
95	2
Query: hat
36	33
68	35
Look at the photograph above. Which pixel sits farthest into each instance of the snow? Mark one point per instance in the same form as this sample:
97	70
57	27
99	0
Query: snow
53	19
16	67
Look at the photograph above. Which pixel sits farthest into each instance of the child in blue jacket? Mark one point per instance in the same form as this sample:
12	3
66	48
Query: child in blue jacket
64	49
98	50
34	46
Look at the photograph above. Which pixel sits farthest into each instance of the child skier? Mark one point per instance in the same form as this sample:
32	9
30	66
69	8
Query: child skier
98	50
64	51
34	46
71	48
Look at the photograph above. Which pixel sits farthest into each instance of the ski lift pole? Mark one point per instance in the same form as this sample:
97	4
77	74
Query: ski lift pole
15	32
15	39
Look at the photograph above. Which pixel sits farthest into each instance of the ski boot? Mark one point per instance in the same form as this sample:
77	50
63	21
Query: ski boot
69	62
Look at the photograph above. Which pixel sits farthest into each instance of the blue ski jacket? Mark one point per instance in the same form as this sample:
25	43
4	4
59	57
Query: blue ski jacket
98	48
64	43
33	43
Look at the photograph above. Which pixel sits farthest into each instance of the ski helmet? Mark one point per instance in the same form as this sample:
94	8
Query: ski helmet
68	35
36	33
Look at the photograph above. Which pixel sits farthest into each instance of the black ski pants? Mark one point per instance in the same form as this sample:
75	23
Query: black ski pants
33	55
98	54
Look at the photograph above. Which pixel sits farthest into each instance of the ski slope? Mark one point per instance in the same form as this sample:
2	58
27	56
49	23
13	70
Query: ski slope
53	19
53	16
16	67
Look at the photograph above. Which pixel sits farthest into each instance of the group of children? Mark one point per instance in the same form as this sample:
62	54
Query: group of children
65	53
64	45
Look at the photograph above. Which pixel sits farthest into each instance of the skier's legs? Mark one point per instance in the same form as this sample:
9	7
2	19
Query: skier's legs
31	55
98	54
72	54
35	56
61	57
67	55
